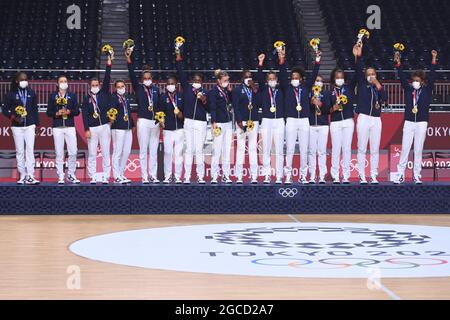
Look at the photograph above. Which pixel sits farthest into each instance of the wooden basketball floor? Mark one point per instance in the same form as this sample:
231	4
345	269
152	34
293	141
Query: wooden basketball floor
34	260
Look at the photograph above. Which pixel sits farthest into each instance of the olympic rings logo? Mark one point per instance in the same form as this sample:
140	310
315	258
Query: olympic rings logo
344	263
288	192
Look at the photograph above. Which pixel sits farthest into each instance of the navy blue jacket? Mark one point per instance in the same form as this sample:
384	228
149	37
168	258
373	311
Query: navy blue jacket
290	101
219	106
13	100
120	122
241	102
194	108
165	104
425	93
72	105
103	103
368	94
323	119
265	101
142	95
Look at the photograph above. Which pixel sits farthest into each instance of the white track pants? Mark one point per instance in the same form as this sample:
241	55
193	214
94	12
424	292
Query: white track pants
222	148
24	138
195	135
416	131
148	134
341	139
318	140
102	135
252	138
173	152
69	136
272	133
297	128
368	129
122	142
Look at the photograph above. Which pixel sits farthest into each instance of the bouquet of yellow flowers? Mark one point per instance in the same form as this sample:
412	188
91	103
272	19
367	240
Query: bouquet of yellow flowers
21	111
61	101
160	117
128	44
112	114
279	46
342	100
363	34
217	131
179	41
250	125
399	47
108	50
314	43
316	91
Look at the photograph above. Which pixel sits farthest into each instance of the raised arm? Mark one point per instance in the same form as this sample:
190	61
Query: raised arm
401	73
260	75
315	71
181	73
133	78
432	75
106	86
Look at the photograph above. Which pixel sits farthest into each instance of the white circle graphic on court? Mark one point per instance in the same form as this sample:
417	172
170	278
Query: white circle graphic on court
311	250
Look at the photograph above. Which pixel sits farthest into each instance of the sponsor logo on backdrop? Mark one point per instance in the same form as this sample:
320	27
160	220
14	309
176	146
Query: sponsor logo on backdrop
311	250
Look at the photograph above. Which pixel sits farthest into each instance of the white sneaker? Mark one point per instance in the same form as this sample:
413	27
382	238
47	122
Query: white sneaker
362	180
145	181
267	180
93	181
73	179
322	181
278	181
61	180
254	180
167	181
303	180
201	180
105	180
336	181
154	180
31	180
226	180
288	180
418	181
118	180
239	180
399	179
214	180
345	181
312	181
21	180
178	180
187	180
126	179
374	180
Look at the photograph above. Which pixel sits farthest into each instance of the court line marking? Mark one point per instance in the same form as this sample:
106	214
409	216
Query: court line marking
378	283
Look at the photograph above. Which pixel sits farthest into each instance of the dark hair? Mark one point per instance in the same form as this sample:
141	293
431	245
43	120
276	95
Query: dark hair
333	74
146	69
419	73
200	75
271	72
14	82
118	81
298	70
244	73
172	76
93	79
63	75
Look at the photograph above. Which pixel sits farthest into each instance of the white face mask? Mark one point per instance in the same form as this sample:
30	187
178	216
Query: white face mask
148	83
225	84
64	86
319	84
295	83
171	88
416	85
273	83
121	91
196	85
95	90
23	84
247	81
339	82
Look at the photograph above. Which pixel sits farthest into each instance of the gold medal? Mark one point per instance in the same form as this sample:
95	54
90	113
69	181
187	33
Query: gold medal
250	107
125	118
95	115
176	110
377	105
217	131
415	109
150	107
299	108
273	109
